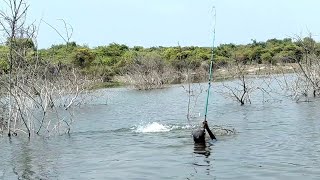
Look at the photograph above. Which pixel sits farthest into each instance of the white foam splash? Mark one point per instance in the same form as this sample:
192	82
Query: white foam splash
153	127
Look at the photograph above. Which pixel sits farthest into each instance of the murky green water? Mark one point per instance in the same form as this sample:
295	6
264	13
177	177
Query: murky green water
145	135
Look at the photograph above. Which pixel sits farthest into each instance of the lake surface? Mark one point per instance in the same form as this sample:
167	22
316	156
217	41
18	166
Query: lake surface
128	134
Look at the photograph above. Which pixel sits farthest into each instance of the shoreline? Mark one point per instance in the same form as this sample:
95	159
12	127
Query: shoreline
219	74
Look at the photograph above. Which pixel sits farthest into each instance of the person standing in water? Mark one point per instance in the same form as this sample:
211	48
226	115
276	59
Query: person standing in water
199	134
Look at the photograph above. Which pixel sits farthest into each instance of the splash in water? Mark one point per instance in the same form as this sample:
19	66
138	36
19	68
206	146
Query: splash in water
157	127
153	127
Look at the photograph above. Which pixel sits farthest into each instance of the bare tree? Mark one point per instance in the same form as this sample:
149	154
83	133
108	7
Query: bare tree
304	83
308	80
193	90
12	23
241	86
38	91
148	71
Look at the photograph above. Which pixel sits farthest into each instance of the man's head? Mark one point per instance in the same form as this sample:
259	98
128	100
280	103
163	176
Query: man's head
199	136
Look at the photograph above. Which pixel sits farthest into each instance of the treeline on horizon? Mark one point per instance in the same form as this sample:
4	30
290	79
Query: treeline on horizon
114	59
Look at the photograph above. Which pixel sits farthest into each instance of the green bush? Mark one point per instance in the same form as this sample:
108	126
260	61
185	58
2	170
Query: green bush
83	57
266	57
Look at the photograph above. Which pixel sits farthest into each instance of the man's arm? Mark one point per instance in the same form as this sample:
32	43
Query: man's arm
209	131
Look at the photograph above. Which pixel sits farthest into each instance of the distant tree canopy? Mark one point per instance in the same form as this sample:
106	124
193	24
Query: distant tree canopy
115	58
25	43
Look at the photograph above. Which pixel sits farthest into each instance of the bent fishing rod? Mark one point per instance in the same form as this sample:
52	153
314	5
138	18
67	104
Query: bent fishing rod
211	64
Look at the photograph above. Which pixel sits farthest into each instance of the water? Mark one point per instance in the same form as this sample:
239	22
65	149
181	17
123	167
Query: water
130	134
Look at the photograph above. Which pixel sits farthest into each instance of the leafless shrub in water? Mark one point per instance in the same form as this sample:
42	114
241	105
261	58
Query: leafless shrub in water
36	95
304	83
241	86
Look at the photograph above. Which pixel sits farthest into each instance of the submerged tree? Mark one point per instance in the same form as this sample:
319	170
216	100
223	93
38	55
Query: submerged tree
193	90
307	81
240	87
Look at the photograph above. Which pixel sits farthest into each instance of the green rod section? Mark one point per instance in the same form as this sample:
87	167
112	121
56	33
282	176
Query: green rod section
211	64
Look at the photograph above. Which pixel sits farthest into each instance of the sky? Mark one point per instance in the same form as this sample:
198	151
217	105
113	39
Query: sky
169	22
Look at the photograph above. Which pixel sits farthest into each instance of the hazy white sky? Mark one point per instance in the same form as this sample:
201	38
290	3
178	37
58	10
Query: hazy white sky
167	22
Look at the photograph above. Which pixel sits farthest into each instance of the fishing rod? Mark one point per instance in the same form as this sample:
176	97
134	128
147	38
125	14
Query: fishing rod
211	64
